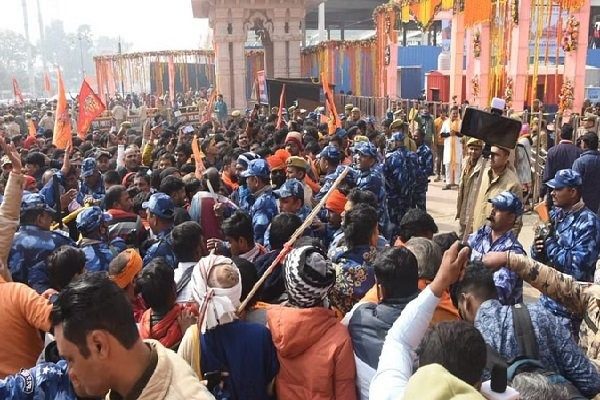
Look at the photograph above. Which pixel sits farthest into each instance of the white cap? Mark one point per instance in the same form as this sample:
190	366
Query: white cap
498	103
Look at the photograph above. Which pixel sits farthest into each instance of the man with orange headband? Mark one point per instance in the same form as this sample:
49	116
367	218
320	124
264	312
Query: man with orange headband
123	270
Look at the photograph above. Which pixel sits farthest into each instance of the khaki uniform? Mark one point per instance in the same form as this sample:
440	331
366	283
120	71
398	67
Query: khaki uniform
467	185
581	298
491	186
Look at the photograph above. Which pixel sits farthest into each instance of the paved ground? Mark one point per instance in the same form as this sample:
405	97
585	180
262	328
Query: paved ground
441	204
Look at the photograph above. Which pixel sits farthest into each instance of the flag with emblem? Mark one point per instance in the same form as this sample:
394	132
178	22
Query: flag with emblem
62	124
90	106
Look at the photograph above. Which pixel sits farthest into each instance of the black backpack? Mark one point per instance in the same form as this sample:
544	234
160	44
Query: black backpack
528	359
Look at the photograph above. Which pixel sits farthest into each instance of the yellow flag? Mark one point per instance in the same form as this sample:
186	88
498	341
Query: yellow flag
31	128
62	124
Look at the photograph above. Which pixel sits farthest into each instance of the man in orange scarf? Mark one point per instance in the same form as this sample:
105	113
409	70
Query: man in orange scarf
165	320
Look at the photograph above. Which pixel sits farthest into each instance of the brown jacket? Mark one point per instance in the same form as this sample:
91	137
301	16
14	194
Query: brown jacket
581	298
491	186
468	177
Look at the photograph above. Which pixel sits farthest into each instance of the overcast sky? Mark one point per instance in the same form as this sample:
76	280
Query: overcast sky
147	24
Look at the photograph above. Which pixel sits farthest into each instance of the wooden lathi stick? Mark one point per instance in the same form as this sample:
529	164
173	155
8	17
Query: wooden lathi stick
290	243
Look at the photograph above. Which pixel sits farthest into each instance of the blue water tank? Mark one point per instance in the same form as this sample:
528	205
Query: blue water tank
410	82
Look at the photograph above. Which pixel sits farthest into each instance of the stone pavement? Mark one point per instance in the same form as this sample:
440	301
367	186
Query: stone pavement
441	205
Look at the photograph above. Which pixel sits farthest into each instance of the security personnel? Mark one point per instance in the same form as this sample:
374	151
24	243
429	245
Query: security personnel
92	223
265	206
242	196
291	200
33	243
572	245
297	167
370	177
398	125
92	185
425	170
329	164
400	170
161	212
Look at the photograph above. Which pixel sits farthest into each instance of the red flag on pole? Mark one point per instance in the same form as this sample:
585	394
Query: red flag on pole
47	84
62	124
334	119
17	91
171	67
280	120
90	106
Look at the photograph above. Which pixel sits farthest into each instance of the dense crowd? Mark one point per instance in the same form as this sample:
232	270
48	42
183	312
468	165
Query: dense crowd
264	255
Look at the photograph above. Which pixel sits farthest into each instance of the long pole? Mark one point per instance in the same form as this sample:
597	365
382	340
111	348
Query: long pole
29	52
42	38
288	246
80	37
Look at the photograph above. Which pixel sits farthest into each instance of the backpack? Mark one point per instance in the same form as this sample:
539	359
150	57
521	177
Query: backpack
528	359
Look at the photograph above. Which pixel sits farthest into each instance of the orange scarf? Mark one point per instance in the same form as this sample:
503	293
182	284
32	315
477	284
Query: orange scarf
167	331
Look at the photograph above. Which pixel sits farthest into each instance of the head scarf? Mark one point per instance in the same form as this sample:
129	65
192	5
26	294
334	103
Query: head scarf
133	267
336	202
217	305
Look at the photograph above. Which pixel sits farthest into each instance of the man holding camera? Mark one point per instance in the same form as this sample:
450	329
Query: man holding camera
571	243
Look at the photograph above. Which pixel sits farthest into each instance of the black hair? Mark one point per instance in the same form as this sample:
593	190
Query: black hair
478	280
167	172
359	224
358	196
239	225
397	272
133	191
312	147
457	346
283	226
29	217
184	148
140	199
591	140
171	184
192	186
113	195
248	277
94	302
186	238
157	285
64	264
566	132
143	175
36	158
416	222
445	240
112	178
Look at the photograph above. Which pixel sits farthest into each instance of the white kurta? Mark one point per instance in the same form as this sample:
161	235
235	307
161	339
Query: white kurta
452	151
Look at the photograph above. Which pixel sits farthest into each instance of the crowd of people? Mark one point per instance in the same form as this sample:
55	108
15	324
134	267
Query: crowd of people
263	255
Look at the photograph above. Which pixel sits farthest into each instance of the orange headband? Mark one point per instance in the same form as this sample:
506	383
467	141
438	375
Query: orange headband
336	202
133	267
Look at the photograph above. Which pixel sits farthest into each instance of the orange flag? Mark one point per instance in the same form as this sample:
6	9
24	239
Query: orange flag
198	154
47	85
62	124
280	120
31	128
334	119
90	106
210	108
17	91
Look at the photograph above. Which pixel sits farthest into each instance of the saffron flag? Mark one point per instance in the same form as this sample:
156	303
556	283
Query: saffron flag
198	156
334	119
47	85
280	120
31	128
17	91
61	137
90	106
210	108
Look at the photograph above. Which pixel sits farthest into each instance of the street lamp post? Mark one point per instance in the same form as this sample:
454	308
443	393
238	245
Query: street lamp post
81	37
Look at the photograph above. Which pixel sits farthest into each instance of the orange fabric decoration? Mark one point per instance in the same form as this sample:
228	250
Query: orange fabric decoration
62	125
336	202
571	5
133	267
477	11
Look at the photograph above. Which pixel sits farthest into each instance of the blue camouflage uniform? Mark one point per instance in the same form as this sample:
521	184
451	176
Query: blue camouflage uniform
291	187
265	206
44	381
89	168
400	170
508	284
372	179
242	195
161	205
32	245
572	247
425	162
98	253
